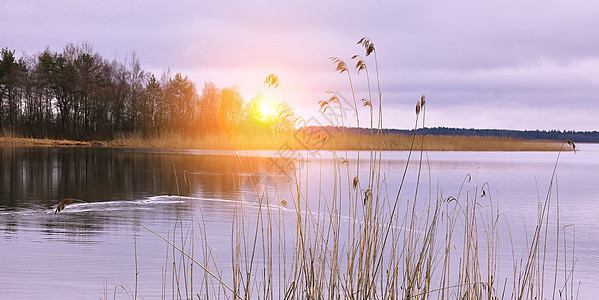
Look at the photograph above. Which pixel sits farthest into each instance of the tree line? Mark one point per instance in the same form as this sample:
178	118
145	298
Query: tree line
78	94
556	135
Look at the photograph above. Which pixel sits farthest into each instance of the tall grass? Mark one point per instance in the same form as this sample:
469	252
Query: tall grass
360	238
402	142
302	141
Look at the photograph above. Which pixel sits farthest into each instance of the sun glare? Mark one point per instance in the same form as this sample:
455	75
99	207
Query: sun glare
266	110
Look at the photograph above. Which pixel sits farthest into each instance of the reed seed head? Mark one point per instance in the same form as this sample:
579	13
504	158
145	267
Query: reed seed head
334	99
451	198
341	66
367	195
360	64
418	108
272	80
367	44
324	105
422	100
299	120
571	143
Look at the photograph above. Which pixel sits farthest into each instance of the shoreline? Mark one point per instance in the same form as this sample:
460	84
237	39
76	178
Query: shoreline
342	143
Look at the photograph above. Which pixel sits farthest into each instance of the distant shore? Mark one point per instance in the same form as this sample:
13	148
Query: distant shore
337	141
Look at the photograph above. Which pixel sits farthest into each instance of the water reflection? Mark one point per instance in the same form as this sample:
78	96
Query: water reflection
137	184
41	177
34	180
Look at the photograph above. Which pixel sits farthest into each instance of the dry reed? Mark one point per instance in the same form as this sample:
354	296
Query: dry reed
262	141
361	241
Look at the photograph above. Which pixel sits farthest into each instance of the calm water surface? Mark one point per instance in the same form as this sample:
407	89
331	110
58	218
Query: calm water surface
87	253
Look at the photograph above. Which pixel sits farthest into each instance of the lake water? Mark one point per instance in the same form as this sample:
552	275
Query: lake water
86	252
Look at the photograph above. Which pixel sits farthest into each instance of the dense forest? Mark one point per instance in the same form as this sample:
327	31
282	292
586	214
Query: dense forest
78	94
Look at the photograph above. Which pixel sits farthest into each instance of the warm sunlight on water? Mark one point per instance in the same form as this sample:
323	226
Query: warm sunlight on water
87	252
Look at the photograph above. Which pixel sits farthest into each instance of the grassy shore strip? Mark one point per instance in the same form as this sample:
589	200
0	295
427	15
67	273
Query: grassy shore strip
444	143
29	142
261	141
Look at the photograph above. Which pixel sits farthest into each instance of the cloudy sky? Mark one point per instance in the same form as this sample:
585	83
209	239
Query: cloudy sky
481	64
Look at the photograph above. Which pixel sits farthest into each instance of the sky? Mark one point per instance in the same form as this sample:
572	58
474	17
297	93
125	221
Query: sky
481	64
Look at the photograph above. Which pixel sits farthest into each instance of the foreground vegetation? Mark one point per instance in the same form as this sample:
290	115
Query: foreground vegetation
362	239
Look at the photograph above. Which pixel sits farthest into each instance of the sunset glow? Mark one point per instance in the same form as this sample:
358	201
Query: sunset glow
265	110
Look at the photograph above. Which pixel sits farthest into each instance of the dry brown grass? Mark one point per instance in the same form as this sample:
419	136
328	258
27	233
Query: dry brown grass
170	141
442	143
28	142
200	141
257	141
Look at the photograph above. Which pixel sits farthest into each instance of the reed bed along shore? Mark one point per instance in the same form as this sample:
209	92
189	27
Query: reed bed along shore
403	142
249	141
30	142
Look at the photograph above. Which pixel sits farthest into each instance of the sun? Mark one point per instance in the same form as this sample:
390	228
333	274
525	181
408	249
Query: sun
265	110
